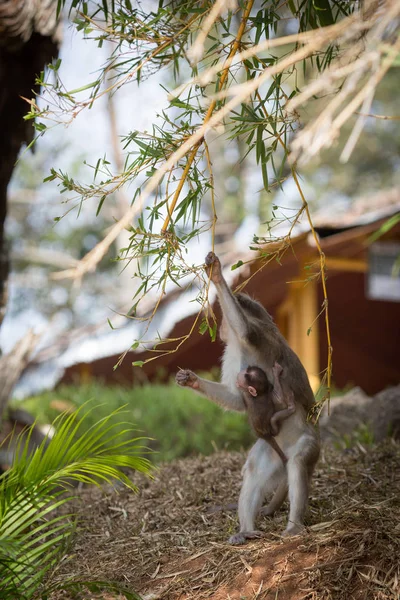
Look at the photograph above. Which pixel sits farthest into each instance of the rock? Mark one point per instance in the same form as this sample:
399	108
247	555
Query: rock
387	414
358	415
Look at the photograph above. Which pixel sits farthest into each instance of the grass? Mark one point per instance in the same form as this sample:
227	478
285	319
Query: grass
180	422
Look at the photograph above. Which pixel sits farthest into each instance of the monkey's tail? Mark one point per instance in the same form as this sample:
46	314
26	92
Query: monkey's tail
274	444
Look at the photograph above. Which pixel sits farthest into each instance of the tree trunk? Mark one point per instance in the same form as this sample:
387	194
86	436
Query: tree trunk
27	43
11	367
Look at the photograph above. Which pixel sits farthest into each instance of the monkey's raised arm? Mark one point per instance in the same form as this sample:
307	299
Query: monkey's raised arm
231	310
216	392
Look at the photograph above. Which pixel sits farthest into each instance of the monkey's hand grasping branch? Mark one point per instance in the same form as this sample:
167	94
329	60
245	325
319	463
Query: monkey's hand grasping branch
187	378
213	267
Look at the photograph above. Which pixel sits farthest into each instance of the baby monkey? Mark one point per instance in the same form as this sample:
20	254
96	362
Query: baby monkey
262	399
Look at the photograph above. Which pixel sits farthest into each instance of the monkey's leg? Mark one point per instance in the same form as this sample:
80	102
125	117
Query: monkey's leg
216	392
298	494
299	468
277	499
250	501
259	475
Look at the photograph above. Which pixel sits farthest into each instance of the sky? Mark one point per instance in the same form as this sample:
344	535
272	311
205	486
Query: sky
86	138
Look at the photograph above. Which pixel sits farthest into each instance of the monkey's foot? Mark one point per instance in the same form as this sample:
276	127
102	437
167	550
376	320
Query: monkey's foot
187	378
293	529
268	511
277	369
274	428
240	538
213	267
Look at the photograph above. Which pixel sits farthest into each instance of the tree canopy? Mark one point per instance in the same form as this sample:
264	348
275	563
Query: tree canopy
237	73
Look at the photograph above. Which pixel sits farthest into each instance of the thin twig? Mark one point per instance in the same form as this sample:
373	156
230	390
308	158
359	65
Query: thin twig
90	261
305	208
296	38
383	117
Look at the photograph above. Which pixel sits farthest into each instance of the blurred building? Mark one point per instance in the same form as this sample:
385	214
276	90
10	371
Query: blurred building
362	250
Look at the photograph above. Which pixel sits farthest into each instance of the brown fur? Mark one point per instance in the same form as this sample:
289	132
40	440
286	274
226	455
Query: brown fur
252	338
263	334
260	409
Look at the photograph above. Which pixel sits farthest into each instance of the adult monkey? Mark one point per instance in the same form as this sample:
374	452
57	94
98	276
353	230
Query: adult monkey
252	338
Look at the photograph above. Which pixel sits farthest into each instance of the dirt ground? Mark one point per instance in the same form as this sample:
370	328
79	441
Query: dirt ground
164	543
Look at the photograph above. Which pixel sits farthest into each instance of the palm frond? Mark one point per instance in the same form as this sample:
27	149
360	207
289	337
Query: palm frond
33	534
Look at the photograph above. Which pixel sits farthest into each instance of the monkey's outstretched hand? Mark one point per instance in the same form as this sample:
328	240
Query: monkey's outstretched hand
187	378
213	267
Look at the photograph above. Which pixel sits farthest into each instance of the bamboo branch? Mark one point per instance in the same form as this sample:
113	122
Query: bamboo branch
41	256
320	252
224	76
296	38
89	262
196	51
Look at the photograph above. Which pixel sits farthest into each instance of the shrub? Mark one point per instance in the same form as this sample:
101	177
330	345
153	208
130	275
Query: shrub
34	532
179	422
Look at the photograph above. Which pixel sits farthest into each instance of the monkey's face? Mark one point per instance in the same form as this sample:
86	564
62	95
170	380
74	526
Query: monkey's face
241	380
254	381
244	383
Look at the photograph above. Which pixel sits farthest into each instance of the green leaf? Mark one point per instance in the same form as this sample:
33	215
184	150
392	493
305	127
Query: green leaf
237	265
50	177
385	227
203	327
100	205
88	86
39	126
213	332
264	172
179	104
323	12
32	535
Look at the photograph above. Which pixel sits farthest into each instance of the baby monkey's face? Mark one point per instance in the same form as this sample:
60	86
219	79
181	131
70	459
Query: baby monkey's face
241	380
244	382
254	381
